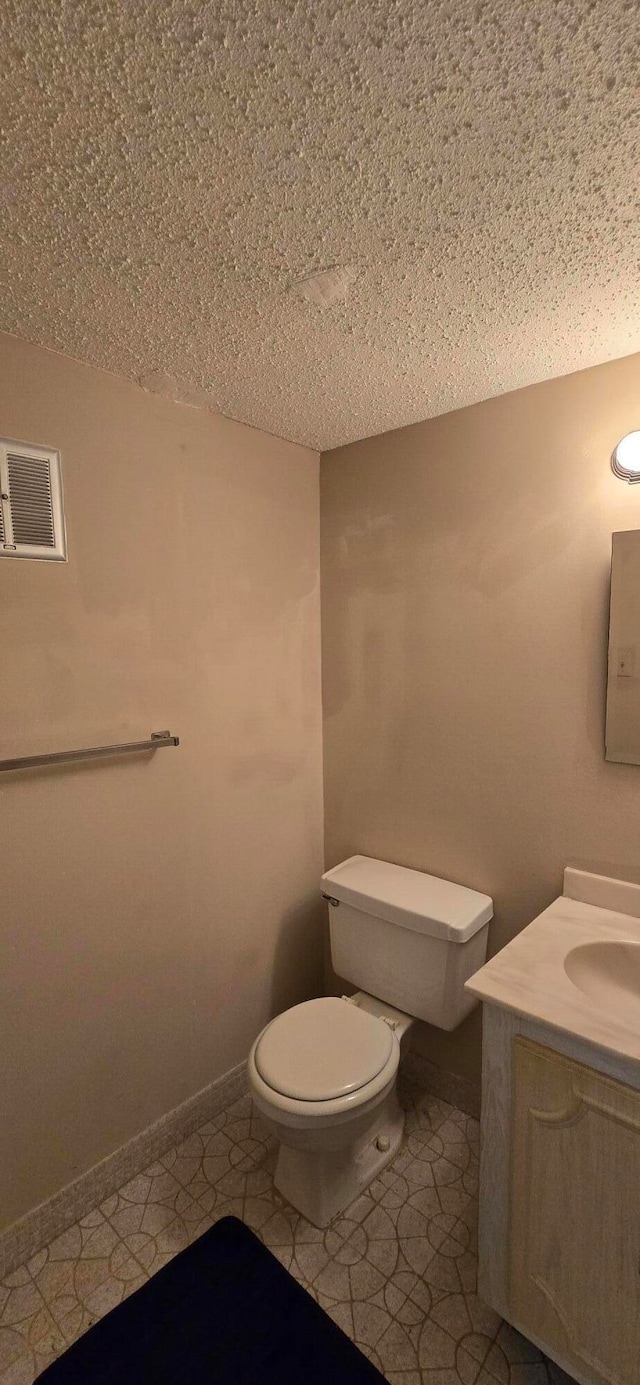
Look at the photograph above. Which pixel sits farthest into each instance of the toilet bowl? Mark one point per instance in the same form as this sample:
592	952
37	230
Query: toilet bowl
323	1074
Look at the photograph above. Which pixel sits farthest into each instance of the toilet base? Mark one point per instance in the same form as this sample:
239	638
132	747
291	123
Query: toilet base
321	1182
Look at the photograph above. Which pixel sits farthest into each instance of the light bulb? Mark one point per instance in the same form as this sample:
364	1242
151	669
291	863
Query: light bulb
625	459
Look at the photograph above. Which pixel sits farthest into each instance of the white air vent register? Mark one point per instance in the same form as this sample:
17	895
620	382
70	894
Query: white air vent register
31	511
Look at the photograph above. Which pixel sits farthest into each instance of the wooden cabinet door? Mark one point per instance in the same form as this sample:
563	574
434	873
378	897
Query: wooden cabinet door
574	1236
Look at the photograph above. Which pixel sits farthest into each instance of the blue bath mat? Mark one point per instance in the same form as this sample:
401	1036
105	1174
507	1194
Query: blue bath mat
223	1312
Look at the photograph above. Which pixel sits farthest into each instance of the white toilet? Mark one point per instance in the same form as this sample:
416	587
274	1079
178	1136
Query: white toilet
323	1074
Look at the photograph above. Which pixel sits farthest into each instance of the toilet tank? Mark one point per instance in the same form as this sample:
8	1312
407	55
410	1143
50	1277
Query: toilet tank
408	938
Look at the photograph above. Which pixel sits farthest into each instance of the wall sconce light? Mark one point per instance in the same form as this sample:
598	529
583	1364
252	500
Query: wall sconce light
625	458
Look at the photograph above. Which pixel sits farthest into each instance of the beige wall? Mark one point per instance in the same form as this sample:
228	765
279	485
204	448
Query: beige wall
465	603
155	912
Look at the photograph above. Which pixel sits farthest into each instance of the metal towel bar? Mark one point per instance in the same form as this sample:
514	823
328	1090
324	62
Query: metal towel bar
157	740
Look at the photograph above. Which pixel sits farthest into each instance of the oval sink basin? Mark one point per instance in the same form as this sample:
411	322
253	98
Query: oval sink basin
609	973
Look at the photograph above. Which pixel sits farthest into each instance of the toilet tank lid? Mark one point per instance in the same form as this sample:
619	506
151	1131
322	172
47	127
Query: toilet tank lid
424	903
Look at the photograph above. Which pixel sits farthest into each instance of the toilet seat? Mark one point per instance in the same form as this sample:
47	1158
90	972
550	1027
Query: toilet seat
331	1149
322	1051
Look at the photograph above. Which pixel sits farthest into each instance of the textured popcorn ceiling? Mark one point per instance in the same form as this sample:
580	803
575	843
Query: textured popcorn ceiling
172	171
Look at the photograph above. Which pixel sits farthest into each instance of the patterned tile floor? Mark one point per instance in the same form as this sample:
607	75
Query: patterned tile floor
397	1271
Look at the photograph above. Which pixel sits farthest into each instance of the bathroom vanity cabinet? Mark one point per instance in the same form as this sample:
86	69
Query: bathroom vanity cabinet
560	1196
560	1158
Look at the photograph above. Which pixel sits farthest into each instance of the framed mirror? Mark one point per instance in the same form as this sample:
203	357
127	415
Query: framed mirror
622	735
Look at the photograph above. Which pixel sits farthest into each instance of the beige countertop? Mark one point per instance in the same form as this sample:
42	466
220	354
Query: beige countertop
529	976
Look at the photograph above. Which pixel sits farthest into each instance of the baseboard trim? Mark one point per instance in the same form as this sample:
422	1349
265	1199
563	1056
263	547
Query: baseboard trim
447	1085
40	1226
